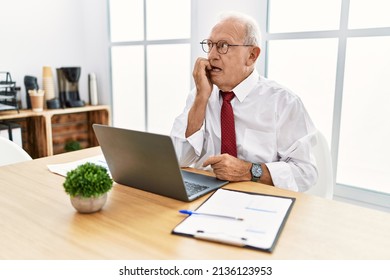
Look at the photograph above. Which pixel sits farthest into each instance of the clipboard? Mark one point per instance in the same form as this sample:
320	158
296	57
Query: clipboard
243	219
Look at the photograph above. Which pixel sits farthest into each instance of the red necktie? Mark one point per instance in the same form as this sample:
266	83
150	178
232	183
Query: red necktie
228	131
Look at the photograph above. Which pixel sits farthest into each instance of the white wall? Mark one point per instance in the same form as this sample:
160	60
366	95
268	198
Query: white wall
56	33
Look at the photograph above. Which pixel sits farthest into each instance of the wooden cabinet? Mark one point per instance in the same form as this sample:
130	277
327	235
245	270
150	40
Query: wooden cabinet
46	133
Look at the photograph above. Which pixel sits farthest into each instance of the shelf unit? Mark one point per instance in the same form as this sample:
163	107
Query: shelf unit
46	133
8	100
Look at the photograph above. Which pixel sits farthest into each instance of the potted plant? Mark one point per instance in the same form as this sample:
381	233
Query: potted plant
72	146
87	186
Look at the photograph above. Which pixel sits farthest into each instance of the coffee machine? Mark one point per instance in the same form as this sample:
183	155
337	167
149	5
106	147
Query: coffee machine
68	85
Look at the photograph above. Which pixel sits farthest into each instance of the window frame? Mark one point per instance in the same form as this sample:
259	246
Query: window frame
145	43
342	192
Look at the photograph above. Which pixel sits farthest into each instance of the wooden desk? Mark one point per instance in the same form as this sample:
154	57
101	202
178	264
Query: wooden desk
37	221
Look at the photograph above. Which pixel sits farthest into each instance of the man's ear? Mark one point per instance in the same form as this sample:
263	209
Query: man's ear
253	55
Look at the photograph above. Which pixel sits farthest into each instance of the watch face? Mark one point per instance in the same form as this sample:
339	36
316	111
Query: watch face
256	170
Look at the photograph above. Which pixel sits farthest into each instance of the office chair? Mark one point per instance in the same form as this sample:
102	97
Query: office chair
325	184
11	152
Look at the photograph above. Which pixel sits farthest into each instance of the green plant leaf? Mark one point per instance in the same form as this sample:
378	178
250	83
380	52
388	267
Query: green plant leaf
88	180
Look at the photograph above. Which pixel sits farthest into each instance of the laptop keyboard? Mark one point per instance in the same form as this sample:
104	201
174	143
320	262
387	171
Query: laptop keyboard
193	188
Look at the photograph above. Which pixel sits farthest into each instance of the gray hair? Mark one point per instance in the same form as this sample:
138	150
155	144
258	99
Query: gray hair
253	34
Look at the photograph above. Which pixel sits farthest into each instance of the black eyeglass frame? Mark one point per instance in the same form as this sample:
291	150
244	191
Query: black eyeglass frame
207	42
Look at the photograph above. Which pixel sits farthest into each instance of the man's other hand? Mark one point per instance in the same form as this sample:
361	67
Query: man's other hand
227	167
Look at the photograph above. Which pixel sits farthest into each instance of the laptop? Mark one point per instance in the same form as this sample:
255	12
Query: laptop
148	161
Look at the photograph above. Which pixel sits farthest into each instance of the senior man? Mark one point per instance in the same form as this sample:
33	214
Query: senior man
240	124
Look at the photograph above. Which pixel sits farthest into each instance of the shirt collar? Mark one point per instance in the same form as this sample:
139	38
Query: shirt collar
245	87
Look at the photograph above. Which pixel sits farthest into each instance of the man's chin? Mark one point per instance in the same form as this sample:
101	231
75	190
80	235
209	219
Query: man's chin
216	81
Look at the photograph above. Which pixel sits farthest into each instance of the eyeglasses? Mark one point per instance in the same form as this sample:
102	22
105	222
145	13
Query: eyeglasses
222	46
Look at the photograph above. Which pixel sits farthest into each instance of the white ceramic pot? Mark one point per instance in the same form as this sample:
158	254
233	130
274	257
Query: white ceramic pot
88	204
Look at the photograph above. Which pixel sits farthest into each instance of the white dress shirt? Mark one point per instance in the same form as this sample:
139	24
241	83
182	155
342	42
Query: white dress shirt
272	127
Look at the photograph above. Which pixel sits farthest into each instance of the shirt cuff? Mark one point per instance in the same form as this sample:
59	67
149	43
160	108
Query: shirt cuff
282	176
196	141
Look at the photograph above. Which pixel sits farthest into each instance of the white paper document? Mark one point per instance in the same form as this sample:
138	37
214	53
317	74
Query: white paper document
240	218
64	168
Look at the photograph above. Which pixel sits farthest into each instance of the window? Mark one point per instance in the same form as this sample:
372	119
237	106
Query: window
363	158
126	20
168	84
369	14
303	15
334	55
150	62
128	86
308	67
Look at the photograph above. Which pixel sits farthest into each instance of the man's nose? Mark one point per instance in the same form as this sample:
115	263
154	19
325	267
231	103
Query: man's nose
213	52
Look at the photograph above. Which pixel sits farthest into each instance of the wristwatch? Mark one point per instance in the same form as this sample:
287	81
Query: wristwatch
256	172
